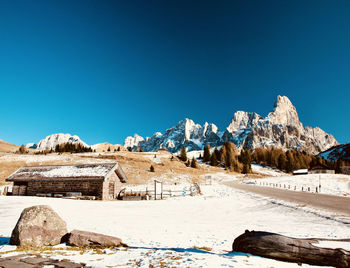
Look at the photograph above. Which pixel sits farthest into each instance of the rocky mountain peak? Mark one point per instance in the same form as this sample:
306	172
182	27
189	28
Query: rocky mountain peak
52	140
284	113
133	141
242	120
281	128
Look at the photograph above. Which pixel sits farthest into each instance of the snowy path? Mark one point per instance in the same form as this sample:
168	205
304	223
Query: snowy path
331	203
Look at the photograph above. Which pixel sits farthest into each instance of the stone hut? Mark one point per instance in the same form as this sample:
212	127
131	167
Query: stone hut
100	180
321	169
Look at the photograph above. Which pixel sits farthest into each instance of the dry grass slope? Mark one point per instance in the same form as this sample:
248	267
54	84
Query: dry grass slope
7	147
135	165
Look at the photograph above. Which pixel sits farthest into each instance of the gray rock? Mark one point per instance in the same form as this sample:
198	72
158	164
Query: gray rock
38	226
89	239
30	261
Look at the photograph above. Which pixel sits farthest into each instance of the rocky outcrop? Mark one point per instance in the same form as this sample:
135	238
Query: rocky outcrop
38	226
89	239
133	141
280	128
52	140
30	261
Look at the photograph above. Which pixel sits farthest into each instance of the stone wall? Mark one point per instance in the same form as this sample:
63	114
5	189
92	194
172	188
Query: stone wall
322	171
111	187
88	187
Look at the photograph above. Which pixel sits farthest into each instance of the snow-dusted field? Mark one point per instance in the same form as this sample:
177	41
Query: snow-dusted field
334	184
173	231
267	171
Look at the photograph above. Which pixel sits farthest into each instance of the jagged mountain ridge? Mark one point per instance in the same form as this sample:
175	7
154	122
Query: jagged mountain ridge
52	140
280	128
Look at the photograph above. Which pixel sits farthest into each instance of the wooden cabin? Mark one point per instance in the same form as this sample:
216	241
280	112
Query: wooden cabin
100	180
321	169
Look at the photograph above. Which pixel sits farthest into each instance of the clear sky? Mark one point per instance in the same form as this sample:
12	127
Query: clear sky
104	70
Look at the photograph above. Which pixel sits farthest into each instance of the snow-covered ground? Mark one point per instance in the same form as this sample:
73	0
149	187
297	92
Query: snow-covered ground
335	184
267	171
183	232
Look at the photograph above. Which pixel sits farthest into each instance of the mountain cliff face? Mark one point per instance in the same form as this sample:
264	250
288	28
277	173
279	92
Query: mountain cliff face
51	141
280	128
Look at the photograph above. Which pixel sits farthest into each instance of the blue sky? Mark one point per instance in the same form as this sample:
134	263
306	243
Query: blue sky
104	70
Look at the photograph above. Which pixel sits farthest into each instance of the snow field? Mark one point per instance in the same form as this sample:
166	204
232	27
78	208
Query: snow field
334	184
169	230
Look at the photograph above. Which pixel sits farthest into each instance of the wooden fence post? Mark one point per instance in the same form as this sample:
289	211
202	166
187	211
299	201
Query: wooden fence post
155	190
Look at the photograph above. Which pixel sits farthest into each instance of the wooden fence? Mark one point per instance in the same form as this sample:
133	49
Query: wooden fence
311	189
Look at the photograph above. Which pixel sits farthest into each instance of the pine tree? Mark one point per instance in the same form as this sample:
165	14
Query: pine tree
290	161
223	155
57	148
217	154
246	160
109	149
130	149
183	154
194	163
22	149
213	160
151	169
282	160
246	169
206	154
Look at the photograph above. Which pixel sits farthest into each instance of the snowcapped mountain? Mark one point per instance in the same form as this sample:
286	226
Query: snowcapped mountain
51	141
340	152
280	128
185	133
133	141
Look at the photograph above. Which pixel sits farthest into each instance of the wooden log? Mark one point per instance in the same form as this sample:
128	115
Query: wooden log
284	248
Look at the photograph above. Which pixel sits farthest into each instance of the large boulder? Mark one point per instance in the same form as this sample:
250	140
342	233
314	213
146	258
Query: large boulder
89	239
38	226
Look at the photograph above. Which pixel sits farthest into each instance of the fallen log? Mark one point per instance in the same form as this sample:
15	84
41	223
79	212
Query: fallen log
284	248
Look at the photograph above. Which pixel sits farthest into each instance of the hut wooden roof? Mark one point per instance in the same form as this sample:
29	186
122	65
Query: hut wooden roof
97	171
